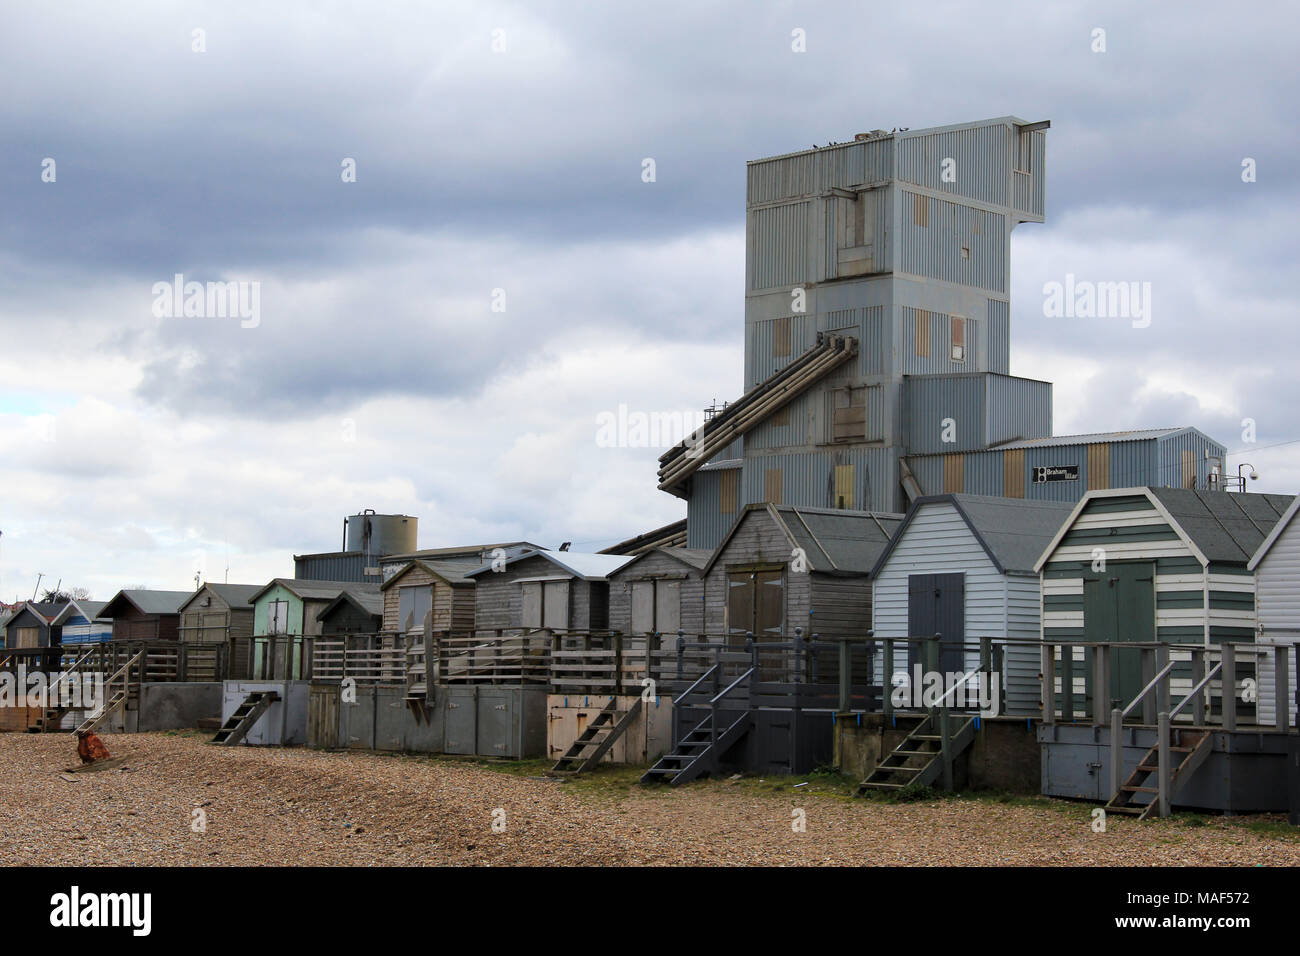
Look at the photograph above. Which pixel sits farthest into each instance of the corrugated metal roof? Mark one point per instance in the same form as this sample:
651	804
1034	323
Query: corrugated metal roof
1136	434
667	536
467	551
1224	526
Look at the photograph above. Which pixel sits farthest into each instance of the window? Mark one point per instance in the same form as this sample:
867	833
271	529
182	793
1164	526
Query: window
413	603
277	617
958	339
849	414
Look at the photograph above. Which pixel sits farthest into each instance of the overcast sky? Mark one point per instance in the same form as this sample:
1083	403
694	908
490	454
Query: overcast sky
141	450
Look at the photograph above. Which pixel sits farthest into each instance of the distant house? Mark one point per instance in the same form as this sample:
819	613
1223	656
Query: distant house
83	622
426	585
352	613
660	591
963	566
782	567
1276	565
140	615
561	590
32	625
221	614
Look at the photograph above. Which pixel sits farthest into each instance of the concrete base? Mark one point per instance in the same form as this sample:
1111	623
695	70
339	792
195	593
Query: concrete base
1004	755
646	740
285	722
1246	772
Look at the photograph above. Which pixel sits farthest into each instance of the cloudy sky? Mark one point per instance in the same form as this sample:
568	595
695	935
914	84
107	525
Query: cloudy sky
499	146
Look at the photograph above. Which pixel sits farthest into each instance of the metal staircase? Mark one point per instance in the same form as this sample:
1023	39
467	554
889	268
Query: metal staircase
1137	797
918	760
596	738
242	719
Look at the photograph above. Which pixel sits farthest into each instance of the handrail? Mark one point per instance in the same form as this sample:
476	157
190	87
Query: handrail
978	670
690	690
1191	694
1146	690
730	687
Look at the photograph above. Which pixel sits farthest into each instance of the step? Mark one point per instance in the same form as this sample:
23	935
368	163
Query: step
1140	789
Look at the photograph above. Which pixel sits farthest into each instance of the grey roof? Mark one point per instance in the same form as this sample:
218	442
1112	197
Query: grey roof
235	594
308	590
846	541
1136	434
1262	551
453	571
834	541
152	602
466	551
371	602
88	609
696	558
1225	526
1012	531
590	567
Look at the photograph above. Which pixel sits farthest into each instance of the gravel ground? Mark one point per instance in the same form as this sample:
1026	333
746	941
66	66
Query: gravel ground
271	806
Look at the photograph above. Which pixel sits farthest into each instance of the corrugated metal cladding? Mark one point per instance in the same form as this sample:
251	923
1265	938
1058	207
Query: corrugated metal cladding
999	334
795	430
1027	180
780	246
1017	408
932	246
809	478
981	157
937	359
735	450
1170	452
706	525
875	208
871	326
333	567
928	401
852	164
792	335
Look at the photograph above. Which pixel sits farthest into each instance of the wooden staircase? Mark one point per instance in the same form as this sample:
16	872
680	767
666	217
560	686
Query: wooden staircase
242	719
50	717
118	697
1137	798
697	752
918	760
596	738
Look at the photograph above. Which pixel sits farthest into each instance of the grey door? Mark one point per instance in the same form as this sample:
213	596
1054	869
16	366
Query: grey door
936	604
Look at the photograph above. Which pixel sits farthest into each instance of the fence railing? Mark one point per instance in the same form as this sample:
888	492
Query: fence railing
161	661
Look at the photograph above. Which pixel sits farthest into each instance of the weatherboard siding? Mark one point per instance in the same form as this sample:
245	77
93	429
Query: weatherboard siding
1277	593
651	567
938	541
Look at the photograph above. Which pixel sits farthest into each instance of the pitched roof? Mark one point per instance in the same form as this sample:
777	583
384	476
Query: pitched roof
695	558
1133	434
1262	551
452	571
367	602
834	541
1012	531
307	590
148	602
1225	526
475	551
236	595
90	610
590	567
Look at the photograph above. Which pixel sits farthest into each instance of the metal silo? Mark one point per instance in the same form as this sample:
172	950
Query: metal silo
375	535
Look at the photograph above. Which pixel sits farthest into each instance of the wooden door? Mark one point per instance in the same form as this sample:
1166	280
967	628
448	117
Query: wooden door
936	604
1119	606
643	607
668	606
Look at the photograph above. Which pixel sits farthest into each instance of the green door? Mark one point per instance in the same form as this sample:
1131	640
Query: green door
1119	605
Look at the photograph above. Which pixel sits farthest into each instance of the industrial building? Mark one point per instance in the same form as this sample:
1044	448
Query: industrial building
877	341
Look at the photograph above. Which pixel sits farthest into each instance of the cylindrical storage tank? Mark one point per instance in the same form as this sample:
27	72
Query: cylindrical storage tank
376	534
